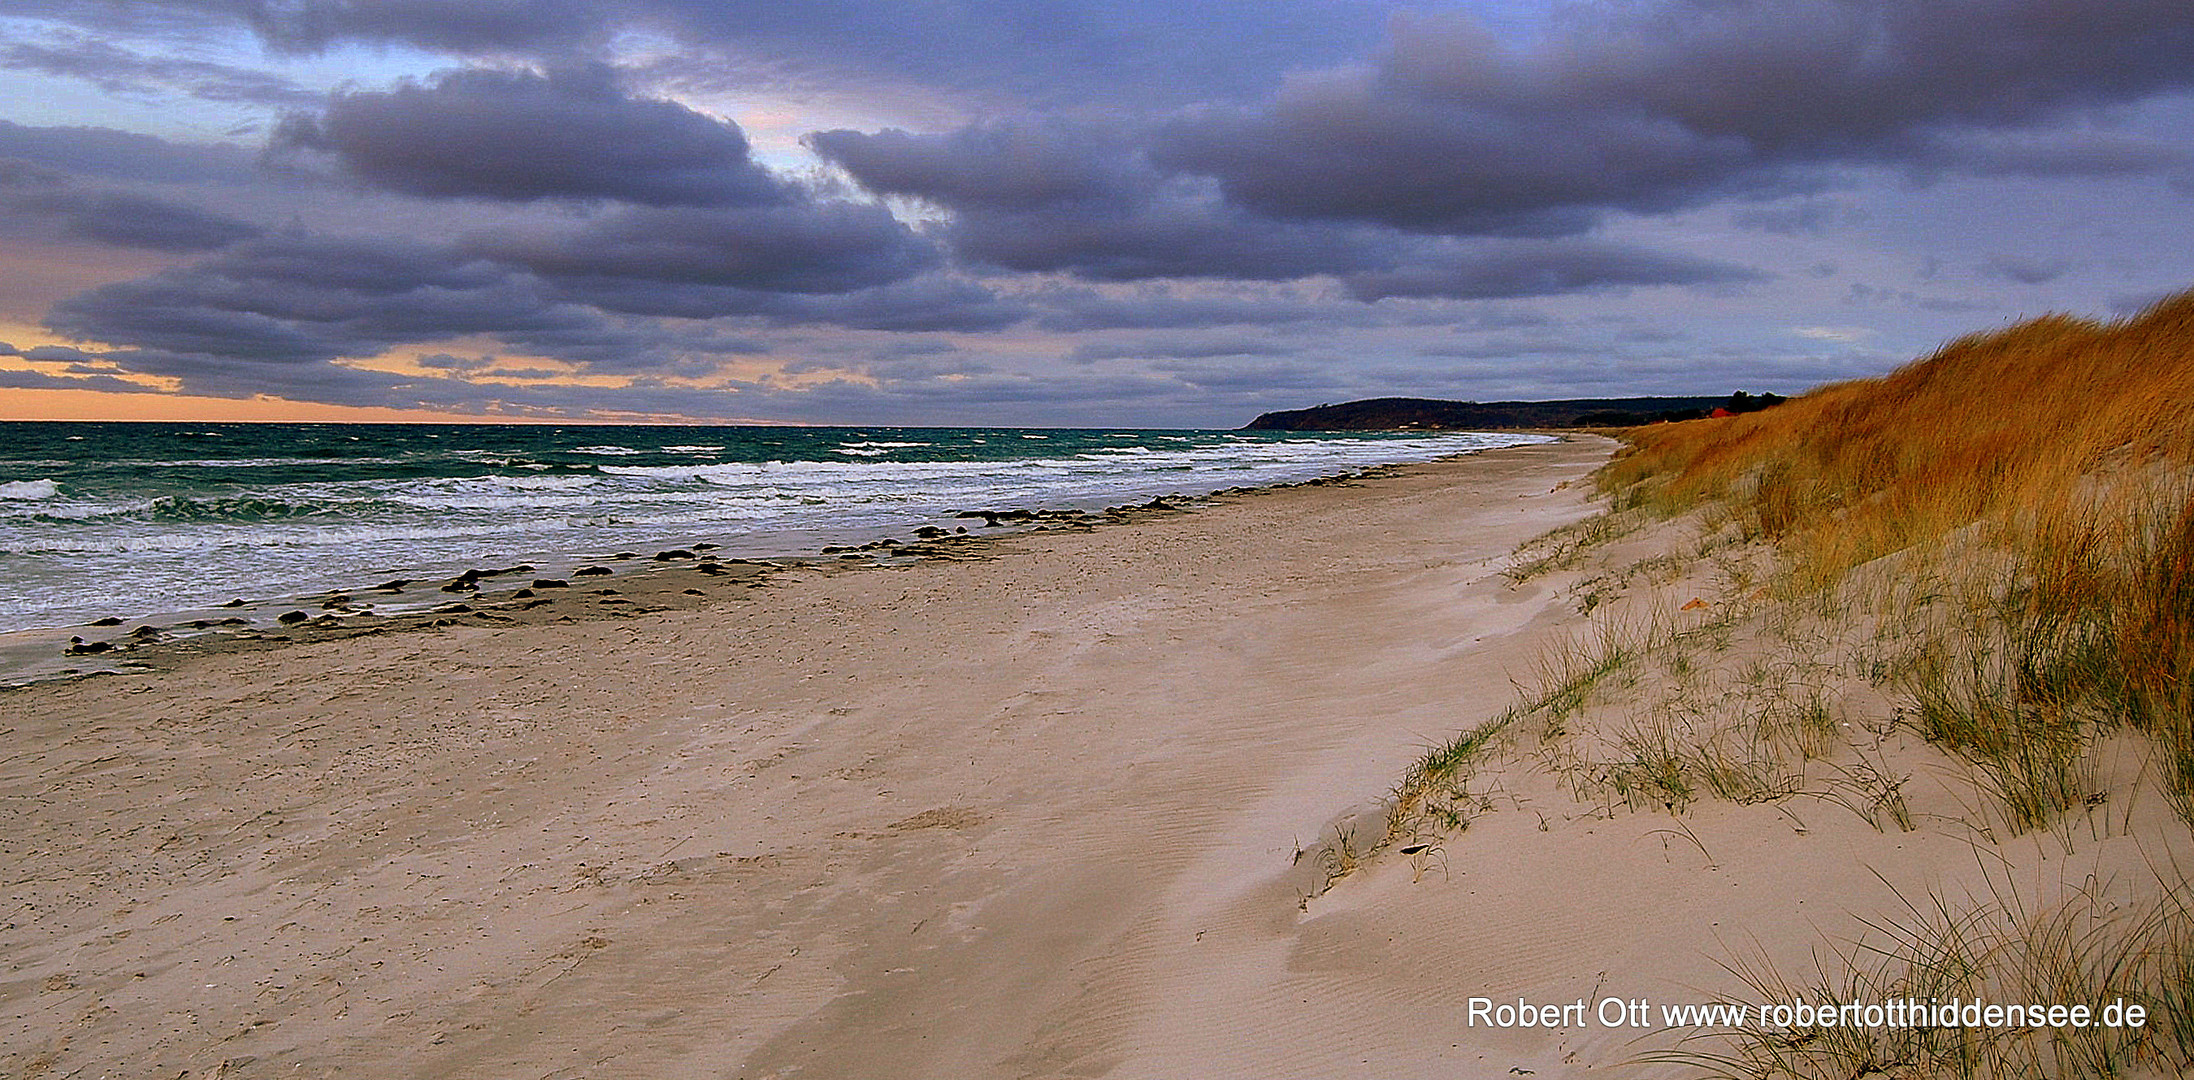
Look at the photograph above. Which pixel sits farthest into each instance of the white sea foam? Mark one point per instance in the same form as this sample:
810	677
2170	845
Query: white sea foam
29	489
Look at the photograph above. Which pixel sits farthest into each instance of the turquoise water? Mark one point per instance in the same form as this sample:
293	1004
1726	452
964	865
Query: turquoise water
130	520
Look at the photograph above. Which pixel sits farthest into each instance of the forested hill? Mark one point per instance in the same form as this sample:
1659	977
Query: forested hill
1387	414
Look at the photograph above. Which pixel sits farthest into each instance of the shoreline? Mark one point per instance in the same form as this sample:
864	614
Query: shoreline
930	815
116	644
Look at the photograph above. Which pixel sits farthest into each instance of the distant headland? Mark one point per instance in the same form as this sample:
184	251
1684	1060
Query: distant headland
1426	414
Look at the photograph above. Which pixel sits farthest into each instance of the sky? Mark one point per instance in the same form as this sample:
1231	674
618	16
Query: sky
1055	212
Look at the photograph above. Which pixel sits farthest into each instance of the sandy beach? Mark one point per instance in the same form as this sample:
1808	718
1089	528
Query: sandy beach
1068	809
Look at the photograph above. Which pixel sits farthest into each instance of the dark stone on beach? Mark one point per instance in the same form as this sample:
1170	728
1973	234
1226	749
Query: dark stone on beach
531	604
336	601
234	603
592	571
79	647
393	586
521	594
695	592
108	621
626	555
929	532
709	568
605	592
291	618
959	528
452	609
705	546
853	555
463	584
236	622
327	621
832	549
674	553
990	517
200	624
145	633
550	583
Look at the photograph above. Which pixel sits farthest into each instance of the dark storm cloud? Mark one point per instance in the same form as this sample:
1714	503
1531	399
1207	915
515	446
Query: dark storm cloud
1047	196
116	69
121	155
1542	268
1025	166
34	196
38	380
519	136
301	299
1659	107
1166	238
156	224
803	248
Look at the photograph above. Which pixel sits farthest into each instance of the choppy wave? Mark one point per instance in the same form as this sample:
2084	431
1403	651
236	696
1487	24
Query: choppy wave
27	490
116	529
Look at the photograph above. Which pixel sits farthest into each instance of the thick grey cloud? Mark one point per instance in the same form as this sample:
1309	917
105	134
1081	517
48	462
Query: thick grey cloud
1122	208
35	197
826	247
516	135
122	155
1030	166
305	299
1667	105
1493	270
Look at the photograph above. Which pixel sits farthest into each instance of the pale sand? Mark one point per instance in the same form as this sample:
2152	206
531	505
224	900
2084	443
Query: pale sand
1031	815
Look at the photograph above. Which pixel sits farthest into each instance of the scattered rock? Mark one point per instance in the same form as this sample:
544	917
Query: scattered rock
626	555
929	532
236	622
591	571
395	585
521	594
550	583
452	609
79	647
235	603
674	553
335	601
145	633
705	546
695	592
108	621
291	618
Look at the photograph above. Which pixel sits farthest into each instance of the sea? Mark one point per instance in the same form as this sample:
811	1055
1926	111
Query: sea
133	520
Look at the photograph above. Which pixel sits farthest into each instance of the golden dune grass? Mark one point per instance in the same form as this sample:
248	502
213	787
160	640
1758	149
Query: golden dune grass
2059	449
